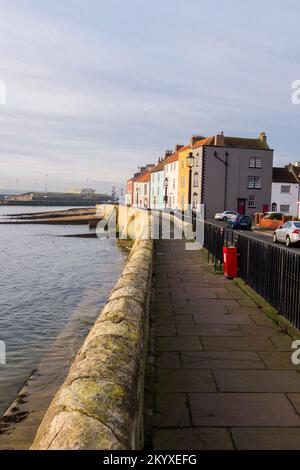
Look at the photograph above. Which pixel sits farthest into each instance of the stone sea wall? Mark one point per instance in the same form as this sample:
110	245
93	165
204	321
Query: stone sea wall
100	404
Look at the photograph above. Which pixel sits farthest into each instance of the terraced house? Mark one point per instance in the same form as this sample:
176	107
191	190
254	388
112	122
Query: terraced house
171	178
158	188
228	173
141	190
183	177
232	173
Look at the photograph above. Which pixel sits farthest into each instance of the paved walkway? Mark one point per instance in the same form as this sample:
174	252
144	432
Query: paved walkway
222	370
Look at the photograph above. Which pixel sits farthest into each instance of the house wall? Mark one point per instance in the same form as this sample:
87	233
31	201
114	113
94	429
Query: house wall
183	179
237	180
171	172
129	193
157	190
142	195
197	173
289	199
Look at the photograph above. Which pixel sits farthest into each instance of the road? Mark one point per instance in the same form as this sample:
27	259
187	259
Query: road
265	236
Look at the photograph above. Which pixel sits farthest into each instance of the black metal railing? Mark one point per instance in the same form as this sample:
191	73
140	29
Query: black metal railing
271	270
215	237
274	273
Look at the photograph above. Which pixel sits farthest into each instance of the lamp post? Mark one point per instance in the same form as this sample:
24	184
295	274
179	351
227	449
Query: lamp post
190	163
46	185
166	183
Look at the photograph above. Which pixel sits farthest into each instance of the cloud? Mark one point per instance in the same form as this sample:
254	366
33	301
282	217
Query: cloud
96	88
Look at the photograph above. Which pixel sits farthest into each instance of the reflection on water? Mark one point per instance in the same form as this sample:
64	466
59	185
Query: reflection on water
50	287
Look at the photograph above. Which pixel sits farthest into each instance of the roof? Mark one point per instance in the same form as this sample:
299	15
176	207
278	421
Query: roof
206	141
235	142
159	166
283	175
241	142
186	147
143	178
172	158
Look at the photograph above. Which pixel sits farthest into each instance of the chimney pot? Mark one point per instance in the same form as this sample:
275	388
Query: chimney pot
263	137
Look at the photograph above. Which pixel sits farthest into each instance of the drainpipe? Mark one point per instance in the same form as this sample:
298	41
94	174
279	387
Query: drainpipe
226	174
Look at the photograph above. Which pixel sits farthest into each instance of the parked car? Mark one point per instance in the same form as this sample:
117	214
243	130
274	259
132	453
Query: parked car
287	233
226	215
242	222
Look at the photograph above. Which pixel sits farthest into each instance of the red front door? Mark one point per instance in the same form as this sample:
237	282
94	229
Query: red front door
265	208
241	206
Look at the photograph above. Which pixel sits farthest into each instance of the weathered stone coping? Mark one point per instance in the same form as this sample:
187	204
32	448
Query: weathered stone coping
100	404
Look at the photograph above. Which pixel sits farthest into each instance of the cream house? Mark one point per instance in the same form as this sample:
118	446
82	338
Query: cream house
171	178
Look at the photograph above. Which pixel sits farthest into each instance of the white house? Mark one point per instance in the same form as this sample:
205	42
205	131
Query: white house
285	189
141	190
171	176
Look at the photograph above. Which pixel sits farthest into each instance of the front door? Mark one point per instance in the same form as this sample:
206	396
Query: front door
241	206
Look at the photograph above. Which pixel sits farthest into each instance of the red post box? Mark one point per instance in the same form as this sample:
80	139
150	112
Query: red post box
230	261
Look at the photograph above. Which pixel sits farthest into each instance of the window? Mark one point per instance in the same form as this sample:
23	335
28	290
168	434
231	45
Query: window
254	162
174	182
195	196
145	189
274	207
195	180
254	182
285	189
251	202
183	181
197	159
284	208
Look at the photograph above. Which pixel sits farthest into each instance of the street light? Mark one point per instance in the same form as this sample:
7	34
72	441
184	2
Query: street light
190	163
46	185
166	183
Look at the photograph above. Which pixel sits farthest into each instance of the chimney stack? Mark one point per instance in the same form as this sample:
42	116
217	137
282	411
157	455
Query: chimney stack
178	147
195	138
263	137
219	139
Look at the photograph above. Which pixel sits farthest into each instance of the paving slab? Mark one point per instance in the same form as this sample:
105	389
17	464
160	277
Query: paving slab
209	330
221	360
278	360
166	330
178	343
172	410
282	341
257	380
242	409
222	318
259	330
193	439
246	343
168	360
184	380
266	438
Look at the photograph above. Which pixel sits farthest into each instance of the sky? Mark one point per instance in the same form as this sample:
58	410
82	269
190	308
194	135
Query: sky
96	88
